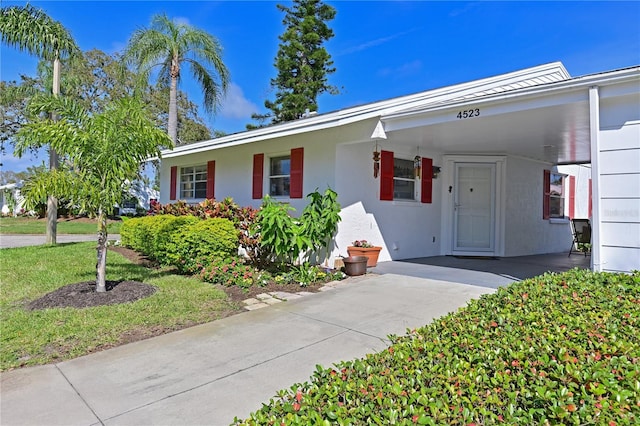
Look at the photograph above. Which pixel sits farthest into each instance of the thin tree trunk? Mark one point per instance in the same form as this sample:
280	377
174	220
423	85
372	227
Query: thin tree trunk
101	265
52	202
172	125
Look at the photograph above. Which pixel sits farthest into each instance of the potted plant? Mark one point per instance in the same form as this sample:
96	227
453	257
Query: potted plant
365	248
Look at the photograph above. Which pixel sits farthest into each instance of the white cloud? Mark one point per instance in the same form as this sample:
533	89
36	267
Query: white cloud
376	42
235	105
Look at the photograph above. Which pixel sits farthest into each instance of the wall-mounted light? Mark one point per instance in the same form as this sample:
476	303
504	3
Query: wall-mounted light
436	172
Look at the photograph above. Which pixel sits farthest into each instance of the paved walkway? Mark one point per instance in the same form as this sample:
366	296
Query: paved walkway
211	373
23	240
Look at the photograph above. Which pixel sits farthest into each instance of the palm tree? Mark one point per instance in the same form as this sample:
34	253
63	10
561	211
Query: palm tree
104	151
169	44
31	30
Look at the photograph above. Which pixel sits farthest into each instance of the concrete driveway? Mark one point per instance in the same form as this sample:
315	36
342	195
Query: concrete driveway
211	373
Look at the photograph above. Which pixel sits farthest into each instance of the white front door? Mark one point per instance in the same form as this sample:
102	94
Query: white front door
474	208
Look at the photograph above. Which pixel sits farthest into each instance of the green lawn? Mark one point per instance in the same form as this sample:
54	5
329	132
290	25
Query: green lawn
40	337
28	225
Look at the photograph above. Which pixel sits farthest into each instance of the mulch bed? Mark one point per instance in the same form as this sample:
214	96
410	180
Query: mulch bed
83	294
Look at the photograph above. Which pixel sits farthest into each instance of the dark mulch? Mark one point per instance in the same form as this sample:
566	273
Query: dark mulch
84	295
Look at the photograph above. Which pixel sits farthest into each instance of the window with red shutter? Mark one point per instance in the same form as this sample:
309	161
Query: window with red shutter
258	171
173	183
297	163
386	175
572	197
546	193
211	176
426	189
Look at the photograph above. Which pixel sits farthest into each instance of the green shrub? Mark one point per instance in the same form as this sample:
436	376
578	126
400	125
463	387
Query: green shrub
555	349
150	235
198	244
164	230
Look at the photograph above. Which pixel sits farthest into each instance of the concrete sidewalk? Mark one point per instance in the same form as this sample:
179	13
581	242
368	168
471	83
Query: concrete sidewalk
210	373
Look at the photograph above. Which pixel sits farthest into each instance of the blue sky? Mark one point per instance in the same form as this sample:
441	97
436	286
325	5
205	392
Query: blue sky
381	49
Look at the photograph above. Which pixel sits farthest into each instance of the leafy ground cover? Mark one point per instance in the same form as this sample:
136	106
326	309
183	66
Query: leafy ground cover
30	225
555	349
32	337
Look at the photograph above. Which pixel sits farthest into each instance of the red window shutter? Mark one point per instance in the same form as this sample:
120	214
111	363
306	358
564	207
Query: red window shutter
258	170
426	191
572	197
297	163
590	203
546	195
386	175
211	179
174	183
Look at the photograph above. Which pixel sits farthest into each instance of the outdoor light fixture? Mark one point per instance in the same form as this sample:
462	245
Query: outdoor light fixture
436	172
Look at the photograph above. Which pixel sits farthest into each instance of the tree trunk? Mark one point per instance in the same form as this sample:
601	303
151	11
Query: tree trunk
172	125
52	202
101	265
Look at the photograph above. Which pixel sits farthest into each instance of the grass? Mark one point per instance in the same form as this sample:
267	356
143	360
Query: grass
40	337
29	225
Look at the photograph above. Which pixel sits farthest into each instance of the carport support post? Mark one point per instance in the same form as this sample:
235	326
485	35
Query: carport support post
594	129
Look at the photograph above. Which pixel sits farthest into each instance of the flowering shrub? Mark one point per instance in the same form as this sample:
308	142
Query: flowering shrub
230	272
362	243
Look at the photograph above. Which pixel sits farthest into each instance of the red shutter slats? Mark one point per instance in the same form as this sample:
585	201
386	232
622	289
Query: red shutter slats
386	175
297	163
572	197
546	194
426	190
258	170
590	201
211	176
174	183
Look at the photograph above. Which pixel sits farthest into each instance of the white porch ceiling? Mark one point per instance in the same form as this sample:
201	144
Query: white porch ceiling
554	134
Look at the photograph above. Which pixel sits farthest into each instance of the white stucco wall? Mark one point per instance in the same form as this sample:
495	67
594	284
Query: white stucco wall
619	180
526	232
405	229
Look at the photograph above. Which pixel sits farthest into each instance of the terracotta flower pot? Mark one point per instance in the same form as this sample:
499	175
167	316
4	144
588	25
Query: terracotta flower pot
371	253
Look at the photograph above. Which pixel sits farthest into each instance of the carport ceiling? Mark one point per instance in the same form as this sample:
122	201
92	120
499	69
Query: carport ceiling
554	134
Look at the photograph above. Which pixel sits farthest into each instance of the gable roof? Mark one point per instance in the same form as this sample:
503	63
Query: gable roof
517	80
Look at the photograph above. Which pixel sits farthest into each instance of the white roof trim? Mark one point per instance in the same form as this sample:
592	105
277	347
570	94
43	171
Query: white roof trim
530	79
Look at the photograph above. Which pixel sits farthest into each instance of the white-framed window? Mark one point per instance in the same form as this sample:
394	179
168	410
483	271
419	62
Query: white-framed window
279	176
556	195
193	182
404	181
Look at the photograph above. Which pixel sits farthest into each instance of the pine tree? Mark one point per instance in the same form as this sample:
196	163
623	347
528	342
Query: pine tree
302	62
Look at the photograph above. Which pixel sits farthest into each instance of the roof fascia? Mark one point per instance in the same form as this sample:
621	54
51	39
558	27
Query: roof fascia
613	77
364	112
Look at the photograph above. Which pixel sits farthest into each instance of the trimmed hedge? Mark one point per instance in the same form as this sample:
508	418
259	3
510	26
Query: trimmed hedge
186	242
152	235
201	243
555	349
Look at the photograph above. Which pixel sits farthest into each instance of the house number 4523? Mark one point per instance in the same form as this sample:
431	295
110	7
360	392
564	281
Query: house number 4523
468	113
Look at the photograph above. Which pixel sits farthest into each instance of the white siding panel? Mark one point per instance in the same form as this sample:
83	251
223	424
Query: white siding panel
620	186
620	259
621	234
623	211
620	161
627	137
